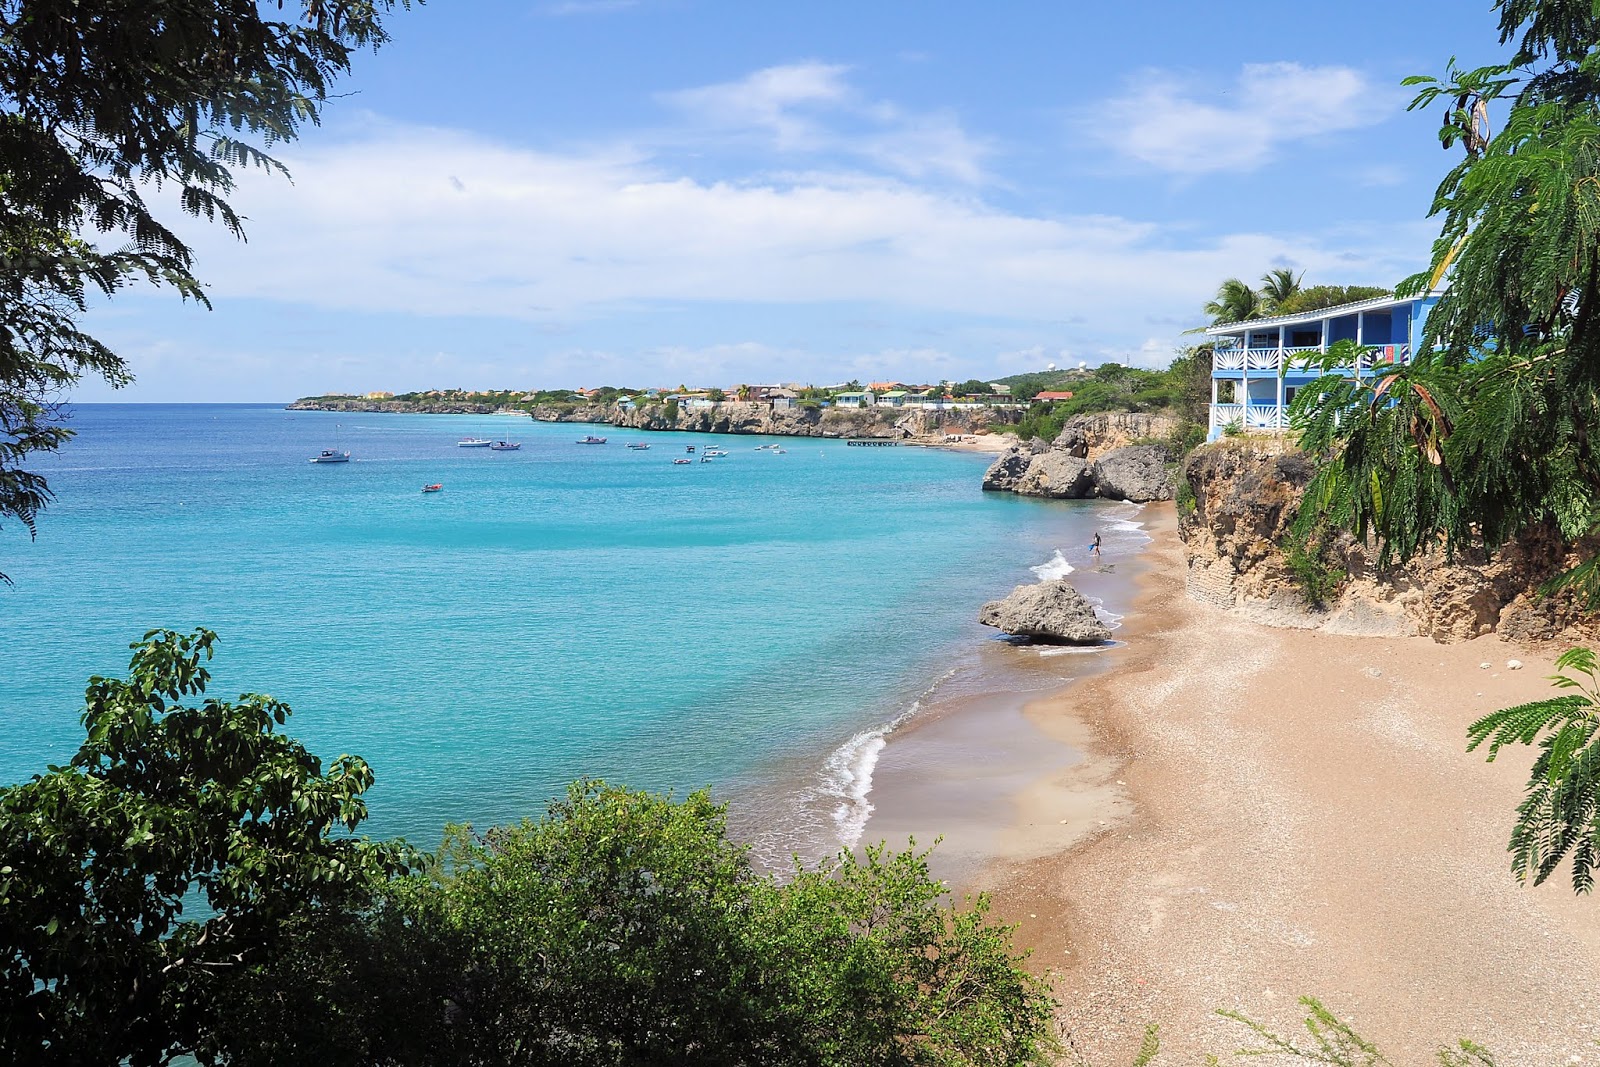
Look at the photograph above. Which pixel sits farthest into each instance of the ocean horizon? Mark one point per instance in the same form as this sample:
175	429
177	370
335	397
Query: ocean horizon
755	625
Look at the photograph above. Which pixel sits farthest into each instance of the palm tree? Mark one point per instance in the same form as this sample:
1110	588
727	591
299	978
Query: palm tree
743	392
1235	302
1278	285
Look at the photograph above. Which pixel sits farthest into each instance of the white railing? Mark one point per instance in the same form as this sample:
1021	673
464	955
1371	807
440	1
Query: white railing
1302	358
1250	416
1265	417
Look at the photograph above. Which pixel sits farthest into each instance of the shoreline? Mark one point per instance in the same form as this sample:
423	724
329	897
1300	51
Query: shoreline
954	772
1264	814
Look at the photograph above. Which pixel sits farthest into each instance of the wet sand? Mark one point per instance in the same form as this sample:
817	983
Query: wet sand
1262	814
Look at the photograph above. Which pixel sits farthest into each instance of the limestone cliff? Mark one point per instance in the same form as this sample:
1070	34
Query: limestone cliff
1094	455
755	418
1246	496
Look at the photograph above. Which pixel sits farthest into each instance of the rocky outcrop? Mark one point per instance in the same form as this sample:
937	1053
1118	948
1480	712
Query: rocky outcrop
1244	502
1047	611
1062	469
1134	472
1056	475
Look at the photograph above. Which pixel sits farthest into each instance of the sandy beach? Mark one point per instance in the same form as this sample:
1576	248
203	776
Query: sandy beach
1264	814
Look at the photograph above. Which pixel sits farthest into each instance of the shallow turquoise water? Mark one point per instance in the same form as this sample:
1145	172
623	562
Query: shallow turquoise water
554	612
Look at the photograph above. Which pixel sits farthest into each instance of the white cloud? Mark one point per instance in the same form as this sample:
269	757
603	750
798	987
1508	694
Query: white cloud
1181	126
767	100
431	222
812	107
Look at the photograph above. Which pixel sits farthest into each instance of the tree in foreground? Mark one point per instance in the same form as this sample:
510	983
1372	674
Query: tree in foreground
625	928
103	106
168	807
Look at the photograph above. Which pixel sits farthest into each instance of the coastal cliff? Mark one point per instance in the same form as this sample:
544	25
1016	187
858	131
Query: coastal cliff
1093	456
1245	497
731	417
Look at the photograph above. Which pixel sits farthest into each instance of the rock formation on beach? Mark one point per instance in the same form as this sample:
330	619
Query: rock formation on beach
1063	469
1051	610
1246	497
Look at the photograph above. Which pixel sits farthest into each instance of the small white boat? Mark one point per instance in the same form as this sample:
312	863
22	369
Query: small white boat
776	451
712	453
591	439
474	442
505	446
639	446
679	462
329	455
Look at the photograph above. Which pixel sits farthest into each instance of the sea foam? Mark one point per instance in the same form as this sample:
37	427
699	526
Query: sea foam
1054	567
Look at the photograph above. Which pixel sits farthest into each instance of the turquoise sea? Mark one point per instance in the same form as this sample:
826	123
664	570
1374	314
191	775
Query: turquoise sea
750	624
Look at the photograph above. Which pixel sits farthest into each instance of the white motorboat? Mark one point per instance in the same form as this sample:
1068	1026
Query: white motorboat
331	455
474	442
505	446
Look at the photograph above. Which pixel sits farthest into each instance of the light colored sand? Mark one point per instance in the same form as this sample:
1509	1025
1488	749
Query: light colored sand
1267	814
988	442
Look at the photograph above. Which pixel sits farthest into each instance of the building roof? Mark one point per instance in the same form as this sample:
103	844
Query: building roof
1318	315
878	387
1052	396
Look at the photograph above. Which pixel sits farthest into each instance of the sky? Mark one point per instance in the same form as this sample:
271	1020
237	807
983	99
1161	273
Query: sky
565	193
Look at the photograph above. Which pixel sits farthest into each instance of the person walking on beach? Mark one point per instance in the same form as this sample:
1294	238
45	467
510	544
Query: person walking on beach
1096	545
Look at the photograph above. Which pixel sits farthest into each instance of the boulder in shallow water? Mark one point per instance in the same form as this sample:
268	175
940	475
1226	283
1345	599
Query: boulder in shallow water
1057	475
1134	472
1005	472
1048	611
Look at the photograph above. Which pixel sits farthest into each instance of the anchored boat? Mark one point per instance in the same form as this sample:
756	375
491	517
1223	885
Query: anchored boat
474	442
434	488
329	455
505	446
591	439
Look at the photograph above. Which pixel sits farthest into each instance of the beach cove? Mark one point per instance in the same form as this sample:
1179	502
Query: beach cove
753	624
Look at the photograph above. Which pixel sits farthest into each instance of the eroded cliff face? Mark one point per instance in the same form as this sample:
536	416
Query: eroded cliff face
1246	498
742	418
1092	457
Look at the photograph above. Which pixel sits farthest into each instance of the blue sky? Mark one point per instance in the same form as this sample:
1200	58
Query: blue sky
646	192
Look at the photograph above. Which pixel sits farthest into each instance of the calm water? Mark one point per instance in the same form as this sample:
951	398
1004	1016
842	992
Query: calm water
554	612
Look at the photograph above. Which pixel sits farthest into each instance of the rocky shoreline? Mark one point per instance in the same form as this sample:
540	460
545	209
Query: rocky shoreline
1104	455
729	417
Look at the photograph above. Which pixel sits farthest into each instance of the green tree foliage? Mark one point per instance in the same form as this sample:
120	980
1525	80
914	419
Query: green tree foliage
100	105
716	396
1182	390
167	807
1560	816
626	928
1487	431
1317	297
1280	294
1235	302
1278	286
972	387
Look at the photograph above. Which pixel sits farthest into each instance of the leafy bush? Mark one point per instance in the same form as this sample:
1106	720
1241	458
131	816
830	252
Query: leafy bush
1318	579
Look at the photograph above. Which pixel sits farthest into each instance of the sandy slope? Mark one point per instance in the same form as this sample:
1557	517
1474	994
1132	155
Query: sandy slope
1275	813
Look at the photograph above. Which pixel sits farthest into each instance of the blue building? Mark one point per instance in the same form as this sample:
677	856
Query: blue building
1249	383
